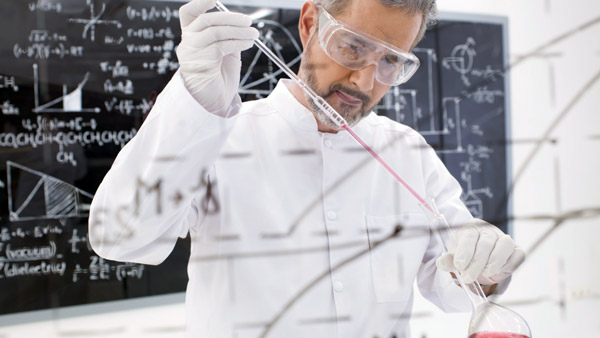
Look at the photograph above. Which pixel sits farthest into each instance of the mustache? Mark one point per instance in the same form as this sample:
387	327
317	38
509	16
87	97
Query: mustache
356	93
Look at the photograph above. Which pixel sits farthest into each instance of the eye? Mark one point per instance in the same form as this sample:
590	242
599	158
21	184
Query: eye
352	51
392	60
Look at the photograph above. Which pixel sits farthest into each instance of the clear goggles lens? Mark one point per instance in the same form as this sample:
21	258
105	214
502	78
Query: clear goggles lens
355	50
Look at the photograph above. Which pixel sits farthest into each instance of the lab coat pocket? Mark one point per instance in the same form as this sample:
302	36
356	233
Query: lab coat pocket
395	261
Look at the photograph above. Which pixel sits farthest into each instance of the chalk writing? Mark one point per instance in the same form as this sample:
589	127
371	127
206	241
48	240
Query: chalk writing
151	33
42	51
100	269
29	253
125	87
83	138
485	95
8	82
27	269
126	107
44	124
8	108
488	73
39	231
40	35
45	6
75	240
163	65
167	46
129	270
117	70
113	40
152	14
78	78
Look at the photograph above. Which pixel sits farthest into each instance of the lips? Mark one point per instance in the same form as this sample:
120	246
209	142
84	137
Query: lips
348	99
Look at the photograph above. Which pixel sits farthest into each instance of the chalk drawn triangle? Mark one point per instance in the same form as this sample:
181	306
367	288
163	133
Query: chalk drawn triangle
40	196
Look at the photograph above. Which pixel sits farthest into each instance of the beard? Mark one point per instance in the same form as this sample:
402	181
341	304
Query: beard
351	113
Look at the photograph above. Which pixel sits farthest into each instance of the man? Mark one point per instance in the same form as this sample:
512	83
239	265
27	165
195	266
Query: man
295	231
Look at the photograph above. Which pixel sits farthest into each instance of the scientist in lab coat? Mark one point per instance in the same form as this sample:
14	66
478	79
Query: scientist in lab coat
295	231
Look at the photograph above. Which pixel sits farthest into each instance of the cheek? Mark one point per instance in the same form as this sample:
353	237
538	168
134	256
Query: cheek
334	73
325	68
379	91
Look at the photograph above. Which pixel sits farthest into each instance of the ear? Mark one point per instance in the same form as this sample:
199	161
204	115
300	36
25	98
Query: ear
307	22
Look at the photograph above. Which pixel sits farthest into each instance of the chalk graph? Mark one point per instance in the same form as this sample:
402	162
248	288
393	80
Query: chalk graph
71	101
90	24
264	85
59	199
461	59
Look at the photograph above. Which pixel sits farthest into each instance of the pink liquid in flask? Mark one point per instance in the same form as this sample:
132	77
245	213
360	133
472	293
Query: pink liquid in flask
497	335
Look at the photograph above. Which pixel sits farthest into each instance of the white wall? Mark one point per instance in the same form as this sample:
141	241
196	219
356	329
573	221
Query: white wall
556	289
561	178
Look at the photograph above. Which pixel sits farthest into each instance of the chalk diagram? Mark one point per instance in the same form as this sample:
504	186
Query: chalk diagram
90	24
461	59
403	102
58	199
473	165
71	101
269	33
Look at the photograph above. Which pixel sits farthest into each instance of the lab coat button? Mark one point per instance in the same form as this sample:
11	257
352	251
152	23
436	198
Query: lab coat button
328	143
331	215
338	286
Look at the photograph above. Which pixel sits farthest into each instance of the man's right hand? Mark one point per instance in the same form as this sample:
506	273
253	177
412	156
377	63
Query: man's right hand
209	53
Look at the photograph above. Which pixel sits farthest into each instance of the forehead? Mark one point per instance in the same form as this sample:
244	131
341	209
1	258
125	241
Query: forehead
391	24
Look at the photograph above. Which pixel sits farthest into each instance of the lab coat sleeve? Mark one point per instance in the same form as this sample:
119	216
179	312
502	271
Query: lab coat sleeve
146	200
434	284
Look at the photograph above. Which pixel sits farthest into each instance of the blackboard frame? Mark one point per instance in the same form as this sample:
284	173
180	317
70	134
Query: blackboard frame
179	298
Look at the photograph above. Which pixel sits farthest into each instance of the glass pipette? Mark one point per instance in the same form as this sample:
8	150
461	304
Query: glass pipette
476	295
328	110
341	123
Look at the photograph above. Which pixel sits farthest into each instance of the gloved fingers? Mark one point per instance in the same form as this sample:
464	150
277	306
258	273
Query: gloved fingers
219	19
488	281
216	34
199	62
445	262
466	242
514	261
502	251
234	47
485	246
190	11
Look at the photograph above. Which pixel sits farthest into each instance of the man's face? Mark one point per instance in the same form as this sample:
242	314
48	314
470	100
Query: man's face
354	93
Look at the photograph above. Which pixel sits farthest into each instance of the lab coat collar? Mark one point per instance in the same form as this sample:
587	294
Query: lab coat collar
301	117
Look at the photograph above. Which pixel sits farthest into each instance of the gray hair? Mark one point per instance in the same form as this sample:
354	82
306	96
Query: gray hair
427	8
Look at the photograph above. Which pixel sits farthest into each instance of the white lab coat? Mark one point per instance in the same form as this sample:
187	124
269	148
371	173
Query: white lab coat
289	239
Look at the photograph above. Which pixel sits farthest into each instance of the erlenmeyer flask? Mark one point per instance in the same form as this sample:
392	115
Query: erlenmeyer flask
488	320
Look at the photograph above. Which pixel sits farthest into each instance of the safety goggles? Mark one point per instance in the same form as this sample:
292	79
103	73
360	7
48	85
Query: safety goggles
356	50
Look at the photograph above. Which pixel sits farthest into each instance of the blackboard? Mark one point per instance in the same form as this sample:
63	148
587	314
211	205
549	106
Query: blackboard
78	78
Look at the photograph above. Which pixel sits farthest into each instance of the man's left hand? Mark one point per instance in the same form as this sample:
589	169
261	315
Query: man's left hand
480	251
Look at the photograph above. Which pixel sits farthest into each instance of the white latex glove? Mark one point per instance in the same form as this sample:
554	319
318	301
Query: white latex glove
480	251
209	53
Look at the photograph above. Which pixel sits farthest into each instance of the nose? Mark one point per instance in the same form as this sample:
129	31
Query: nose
364	78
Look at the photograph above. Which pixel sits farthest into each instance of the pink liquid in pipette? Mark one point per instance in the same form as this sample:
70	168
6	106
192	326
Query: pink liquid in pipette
387	167
497	335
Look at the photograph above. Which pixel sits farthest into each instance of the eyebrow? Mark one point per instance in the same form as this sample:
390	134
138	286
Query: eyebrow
363	41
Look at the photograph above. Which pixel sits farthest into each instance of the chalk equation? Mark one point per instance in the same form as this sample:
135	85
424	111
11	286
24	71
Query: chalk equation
100	269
